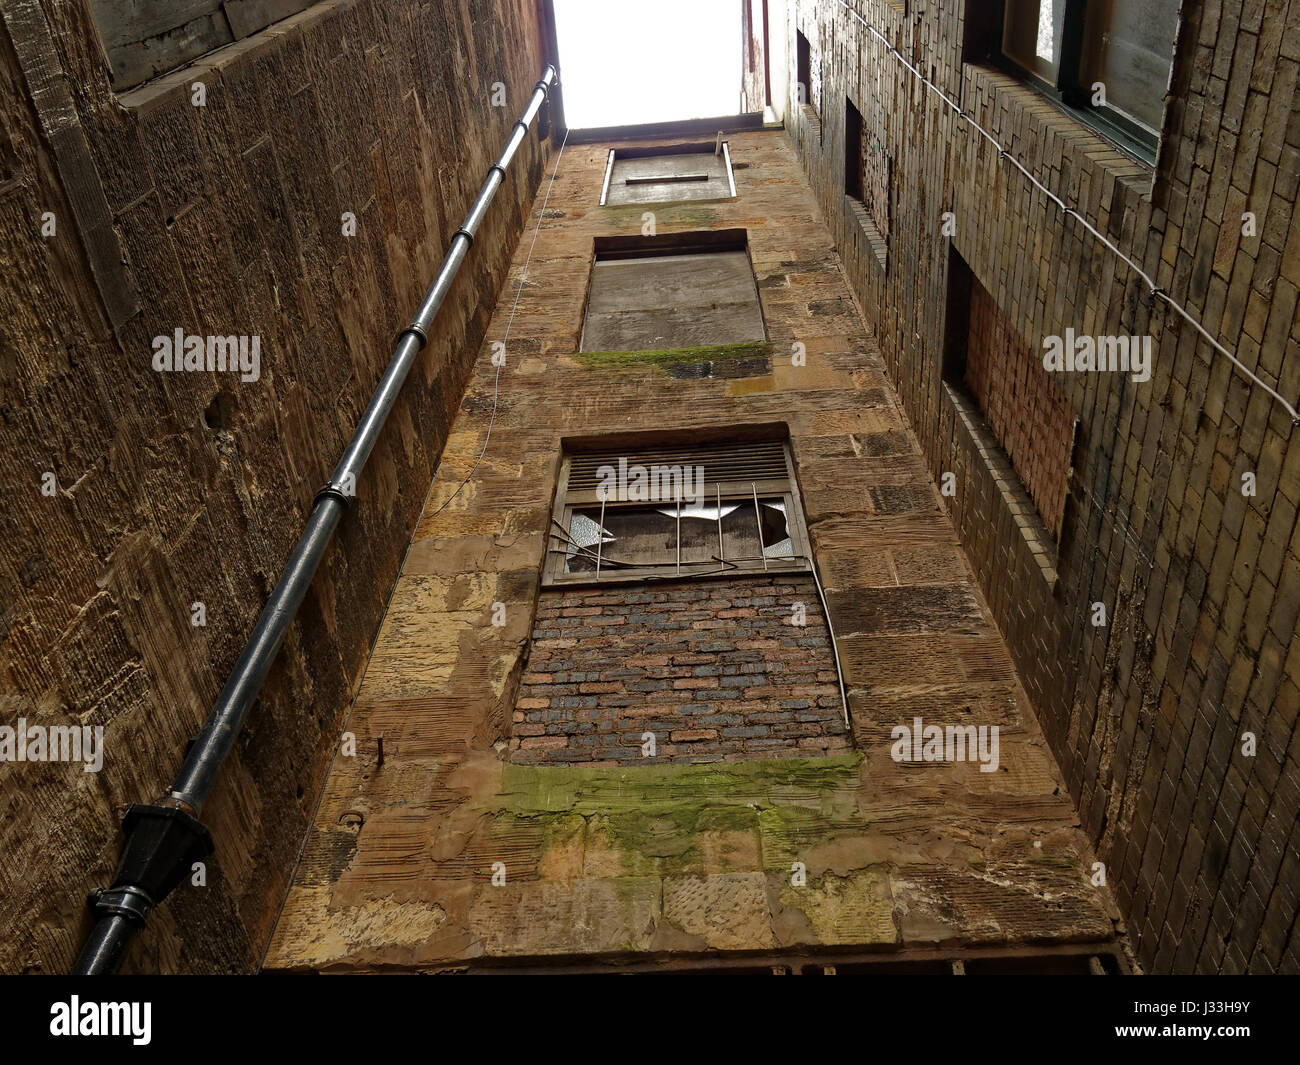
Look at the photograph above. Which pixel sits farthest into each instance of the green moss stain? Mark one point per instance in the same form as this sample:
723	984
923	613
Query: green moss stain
681	819
612	360
544	789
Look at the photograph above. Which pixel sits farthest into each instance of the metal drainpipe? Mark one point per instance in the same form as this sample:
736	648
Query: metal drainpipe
163	839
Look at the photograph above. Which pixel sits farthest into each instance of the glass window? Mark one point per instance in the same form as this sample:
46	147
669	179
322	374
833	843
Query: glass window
1128	47
1032	36
1108	58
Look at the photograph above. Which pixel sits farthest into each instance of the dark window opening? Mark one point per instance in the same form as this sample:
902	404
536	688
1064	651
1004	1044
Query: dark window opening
803	67
852	151
866	179
808	79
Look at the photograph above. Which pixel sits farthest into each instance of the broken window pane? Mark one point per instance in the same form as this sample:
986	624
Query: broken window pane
776	533
637	537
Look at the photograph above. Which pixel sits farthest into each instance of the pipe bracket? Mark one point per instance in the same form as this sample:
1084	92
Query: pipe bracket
415	331
330	490
127	902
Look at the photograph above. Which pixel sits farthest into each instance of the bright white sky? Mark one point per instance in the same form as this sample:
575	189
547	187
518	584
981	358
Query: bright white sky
630	61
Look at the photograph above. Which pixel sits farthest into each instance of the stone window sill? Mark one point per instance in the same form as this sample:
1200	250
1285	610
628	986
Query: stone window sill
870	233
1044	132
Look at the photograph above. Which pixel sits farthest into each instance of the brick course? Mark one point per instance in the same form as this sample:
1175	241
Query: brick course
715	669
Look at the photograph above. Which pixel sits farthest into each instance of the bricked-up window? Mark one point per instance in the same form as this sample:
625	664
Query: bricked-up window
676	512
1070	47
146	39
1028	415
687	290
866	179
664	174
714	670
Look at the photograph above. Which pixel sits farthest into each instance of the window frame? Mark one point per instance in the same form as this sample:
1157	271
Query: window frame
245	22
702	148
1068	90
730	490
606	249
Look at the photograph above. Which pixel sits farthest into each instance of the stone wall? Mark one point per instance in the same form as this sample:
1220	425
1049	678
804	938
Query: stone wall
443	853
1147	714
168	490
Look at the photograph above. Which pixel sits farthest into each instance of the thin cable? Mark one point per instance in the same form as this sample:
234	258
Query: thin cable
835	647
496	381
1004	153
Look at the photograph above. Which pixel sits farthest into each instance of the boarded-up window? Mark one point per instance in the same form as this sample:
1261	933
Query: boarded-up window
145	38
677	296
662	175
1028	415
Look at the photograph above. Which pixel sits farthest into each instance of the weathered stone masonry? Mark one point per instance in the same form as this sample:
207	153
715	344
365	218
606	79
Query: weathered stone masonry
638	861
1146	714
191	487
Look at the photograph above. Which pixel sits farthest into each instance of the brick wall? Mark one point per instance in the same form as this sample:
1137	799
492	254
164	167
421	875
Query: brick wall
1147	713
1026	411
715	669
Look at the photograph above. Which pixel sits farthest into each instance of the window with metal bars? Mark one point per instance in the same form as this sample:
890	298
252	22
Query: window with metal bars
676	512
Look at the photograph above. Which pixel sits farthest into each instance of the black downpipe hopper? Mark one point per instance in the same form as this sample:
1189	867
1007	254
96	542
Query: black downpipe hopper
162	845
